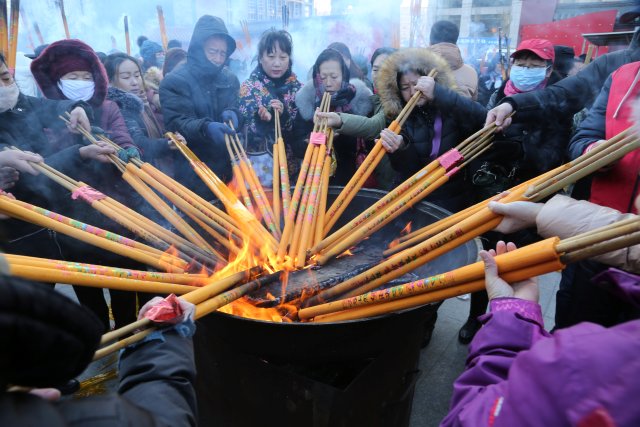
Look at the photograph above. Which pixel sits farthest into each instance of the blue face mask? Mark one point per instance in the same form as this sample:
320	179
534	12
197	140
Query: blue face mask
526	79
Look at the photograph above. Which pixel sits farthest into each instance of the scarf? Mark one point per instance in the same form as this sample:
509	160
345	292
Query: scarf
340	100
511	89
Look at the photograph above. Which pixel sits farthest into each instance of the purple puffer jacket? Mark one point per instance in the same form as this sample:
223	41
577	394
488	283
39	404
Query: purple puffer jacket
519	375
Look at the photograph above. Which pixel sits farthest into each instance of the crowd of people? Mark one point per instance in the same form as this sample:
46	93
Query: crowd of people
194	94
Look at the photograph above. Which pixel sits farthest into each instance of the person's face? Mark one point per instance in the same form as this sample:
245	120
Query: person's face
275	63
78	75
375	67
532	61
331	75
6	79
215	49
128	77
408	83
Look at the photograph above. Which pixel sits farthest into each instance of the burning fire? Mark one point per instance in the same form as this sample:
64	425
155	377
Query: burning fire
406	230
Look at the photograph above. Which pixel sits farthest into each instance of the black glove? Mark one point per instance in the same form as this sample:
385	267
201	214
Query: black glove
230	116
216	131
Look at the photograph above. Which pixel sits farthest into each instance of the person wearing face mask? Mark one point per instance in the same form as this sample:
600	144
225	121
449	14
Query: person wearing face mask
70	69
152	55
199	99
271	86
521	152
127	89
331	74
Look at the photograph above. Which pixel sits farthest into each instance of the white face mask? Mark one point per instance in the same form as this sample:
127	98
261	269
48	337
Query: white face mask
8	97
77	90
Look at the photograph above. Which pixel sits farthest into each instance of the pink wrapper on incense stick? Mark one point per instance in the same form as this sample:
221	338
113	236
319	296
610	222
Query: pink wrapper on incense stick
169	310
450	158
88	194
318	138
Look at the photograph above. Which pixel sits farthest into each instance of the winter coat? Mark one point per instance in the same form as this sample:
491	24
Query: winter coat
564	217
523	151
345	147
517	374
570	95
617	187
154	150
106	114
195	95
25	127
365	127
466	76
156	390
259	90
419	130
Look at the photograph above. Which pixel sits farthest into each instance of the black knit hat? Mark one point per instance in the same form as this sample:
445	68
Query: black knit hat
45	338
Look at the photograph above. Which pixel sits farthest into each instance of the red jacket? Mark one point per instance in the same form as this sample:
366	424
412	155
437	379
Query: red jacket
619	187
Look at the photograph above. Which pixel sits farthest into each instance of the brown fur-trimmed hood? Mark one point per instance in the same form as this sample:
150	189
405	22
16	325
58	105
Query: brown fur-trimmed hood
419	60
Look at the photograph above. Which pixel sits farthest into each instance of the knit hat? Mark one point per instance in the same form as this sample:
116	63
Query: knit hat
149	49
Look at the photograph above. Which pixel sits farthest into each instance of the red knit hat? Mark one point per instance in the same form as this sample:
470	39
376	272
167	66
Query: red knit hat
541	47
68	63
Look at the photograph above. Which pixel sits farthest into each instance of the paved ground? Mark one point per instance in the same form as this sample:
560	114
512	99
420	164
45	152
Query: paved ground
440	363
443	359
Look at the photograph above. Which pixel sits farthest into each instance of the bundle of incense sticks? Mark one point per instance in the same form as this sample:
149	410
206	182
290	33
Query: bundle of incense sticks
90	234
301	220
53	271
64	19
245	30
533	260
142	176
207	299
4	28
281	194
247	177
154	234
13	33
127	40
410	192
367	167
481	220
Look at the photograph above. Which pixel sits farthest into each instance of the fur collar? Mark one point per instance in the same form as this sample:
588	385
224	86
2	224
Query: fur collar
409	59
361	104
128	103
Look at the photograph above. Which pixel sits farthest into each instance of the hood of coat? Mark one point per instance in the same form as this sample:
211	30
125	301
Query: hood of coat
418	60
128	102
206	27
45	66
361	104
450	52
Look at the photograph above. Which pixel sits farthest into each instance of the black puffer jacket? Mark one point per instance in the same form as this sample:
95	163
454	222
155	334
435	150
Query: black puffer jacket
574	93
418	132
530	148
195	95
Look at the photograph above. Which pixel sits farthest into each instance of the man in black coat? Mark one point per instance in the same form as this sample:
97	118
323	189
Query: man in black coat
200	98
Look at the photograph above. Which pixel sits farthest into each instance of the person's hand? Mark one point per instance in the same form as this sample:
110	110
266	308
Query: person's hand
180	138
517	215
50	394
216	131
498	288
20	161
128	153
390	141
276	104
426	85
264	114
78	118
98	152
333	119
594	145
8	177
500	115
230	116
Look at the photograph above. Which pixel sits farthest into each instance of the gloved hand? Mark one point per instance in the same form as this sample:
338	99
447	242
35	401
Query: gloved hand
216	131
128	154
230	116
